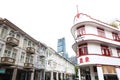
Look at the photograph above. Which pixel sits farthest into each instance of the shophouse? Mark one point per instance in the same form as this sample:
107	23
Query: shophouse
24	58
97	47
58	67
21	56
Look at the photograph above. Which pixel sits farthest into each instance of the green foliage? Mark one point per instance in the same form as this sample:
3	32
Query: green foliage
114	24
76	71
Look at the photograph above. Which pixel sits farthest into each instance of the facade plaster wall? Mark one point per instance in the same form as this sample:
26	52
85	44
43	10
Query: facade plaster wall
94	48
90	29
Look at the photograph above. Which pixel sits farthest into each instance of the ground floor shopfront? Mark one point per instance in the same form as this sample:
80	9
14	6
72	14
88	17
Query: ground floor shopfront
8	73
52	75
12	73
99	72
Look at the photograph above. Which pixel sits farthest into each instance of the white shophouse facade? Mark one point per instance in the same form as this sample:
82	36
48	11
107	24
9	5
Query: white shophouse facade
57	67
21	56
97	47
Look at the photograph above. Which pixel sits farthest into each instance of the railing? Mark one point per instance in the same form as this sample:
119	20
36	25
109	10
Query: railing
30	50
7	61
28	65
12	41
42	53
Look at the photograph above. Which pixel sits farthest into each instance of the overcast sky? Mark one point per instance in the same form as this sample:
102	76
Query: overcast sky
49	20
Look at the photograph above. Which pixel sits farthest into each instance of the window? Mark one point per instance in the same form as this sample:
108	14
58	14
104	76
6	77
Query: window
25	43
115	37
118	52
11	33
101	32
33	45
14	53
29	43
105	50
1	46
49	63
3	33
38	58
7	53
42	61
31	59
82	50
18	36
80	30
22	57
27	58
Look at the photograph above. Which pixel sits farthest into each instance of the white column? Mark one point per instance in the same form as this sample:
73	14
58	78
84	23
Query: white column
61	76
14	74
57	75
64	75
100	72
118	72
40	75
32	74
79	74
51	77
92	73
3	48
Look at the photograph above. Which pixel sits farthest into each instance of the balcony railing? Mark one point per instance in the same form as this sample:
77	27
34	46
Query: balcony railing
30	50
42	66
42	53
12	41
28	65
39	65
7	61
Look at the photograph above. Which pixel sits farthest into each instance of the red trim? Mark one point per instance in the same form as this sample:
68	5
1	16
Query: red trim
100	36
101	32
117	66
96	40
91	18
90	21
99	55
98	65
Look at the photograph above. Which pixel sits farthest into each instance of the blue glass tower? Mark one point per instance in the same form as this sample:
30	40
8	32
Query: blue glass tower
61	47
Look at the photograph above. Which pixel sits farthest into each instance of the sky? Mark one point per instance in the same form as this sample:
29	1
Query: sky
49	20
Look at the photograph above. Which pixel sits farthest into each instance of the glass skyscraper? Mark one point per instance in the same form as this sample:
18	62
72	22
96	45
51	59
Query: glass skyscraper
61	47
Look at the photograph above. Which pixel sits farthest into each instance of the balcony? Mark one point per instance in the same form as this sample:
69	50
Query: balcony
28	65
30	50
42	66
7	61
38	65
12	41
95	38
42	53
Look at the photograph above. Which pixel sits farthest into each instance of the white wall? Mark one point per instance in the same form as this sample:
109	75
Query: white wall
94	48
90	29
114	51
98	59
108	34
62	65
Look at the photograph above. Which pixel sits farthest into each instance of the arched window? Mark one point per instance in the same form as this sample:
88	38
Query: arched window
3	33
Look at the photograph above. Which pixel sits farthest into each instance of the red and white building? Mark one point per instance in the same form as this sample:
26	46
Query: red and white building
97	47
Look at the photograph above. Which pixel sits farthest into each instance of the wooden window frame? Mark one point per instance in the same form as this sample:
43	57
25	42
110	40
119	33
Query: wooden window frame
80	30
101	32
